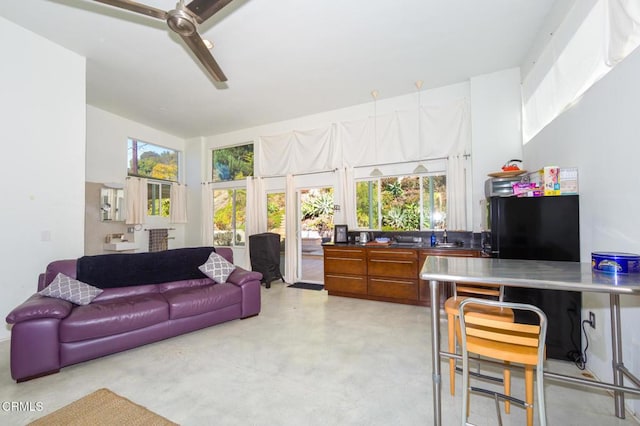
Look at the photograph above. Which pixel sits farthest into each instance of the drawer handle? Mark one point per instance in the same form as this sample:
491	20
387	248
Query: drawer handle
393	261
344	251
396	252
393	281
344	276
345	258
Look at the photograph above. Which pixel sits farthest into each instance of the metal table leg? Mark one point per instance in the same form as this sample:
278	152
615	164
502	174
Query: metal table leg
616	352
435	350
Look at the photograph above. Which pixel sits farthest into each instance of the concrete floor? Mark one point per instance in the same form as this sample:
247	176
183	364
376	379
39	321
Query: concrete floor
307	359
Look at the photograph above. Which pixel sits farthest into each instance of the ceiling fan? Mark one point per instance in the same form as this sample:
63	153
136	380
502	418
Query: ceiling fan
184	21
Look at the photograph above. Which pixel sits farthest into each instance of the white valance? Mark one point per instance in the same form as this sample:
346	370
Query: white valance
445	129
297	152
389	138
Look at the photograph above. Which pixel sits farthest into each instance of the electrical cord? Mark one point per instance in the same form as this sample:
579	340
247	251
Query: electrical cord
578	357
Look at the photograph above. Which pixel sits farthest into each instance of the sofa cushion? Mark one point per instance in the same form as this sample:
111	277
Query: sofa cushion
74	291
184	284
120	292
113	316
217	268
186	302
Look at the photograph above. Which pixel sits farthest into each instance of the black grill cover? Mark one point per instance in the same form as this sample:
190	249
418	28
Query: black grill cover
264	251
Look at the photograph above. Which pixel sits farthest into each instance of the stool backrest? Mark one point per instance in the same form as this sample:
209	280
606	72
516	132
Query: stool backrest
508	341
492	291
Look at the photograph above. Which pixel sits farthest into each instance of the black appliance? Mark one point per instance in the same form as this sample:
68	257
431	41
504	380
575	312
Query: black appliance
264	252
542	228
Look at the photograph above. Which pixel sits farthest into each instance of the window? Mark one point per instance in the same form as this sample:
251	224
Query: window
152	161
229	217
402	203
158	199
233	163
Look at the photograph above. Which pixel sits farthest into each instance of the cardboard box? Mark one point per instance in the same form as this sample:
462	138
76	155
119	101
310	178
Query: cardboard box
569	181
547	179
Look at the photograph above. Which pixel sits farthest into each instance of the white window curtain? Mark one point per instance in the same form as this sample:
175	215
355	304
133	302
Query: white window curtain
207	214
447	133
347	213
456	193
256	210
135	194
291	242
297	152
581	51
178	206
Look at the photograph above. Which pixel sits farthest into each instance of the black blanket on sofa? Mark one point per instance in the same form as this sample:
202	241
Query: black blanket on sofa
121	269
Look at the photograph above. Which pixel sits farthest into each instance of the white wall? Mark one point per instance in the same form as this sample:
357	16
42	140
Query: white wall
496	129
42	116
599	135
106	161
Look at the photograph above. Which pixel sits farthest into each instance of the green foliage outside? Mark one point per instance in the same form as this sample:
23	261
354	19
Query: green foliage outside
151	164
276	213
317	211
233	163
229	227
366	210
400	203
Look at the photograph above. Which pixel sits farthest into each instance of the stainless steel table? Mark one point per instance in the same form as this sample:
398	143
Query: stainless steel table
538	274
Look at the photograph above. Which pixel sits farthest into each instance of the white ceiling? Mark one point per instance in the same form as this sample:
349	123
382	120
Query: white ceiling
283	58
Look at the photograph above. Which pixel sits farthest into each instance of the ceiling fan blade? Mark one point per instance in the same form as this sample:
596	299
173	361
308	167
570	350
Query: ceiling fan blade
204	9
136	7
195	43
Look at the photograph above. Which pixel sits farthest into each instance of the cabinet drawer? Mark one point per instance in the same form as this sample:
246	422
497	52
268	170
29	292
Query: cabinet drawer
398	268
392	253
345	283
397	289
449	252
345	252
345	265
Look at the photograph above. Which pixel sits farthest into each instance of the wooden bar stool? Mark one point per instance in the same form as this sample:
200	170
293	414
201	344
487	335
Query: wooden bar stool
452	306
509	342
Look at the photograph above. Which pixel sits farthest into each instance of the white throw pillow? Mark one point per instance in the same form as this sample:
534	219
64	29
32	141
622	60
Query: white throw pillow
66	288
217	268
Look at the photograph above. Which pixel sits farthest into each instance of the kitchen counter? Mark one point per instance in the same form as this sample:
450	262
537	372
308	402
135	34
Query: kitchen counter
415	246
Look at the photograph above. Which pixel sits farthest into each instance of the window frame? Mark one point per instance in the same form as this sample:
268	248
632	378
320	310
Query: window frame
160	183
130	157
214	175
237	185
422	213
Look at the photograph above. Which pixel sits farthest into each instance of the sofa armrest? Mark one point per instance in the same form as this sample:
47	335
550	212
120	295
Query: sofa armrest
38	306
241	276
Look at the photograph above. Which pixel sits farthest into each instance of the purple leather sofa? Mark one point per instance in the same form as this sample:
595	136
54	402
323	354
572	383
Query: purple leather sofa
49	333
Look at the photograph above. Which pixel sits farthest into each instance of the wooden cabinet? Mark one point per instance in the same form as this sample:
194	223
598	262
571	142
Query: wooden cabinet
345	270
393	273
382	273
